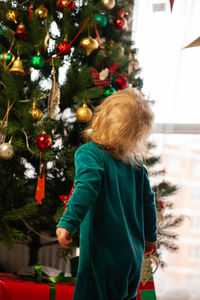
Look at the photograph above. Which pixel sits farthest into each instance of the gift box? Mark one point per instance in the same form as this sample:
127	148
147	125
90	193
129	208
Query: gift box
146	291
14	287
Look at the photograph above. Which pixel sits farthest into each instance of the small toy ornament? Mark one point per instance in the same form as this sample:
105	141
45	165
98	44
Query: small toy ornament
37	61
63	4
122	83
108	4
120	22
44	141
64	48
84	114
109	91
103	78
89	45
21	33
7	59
101	20
6	150
12	15
35	112
41	12
17	68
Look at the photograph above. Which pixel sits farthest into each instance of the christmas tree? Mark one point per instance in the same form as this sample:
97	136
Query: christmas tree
166	220
58	60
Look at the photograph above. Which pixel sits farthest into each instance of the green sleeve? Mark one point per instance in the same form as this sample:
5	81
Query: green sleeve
150	217
88	181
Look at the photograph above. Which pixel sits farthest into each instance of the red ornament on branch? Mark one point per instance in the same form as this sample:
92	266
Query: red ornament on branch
64	48
44	141
122	83
63	4
21	33
120	22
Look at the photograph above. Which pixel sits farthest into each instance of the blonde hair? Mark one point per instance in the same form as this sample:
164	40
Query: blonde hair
121	124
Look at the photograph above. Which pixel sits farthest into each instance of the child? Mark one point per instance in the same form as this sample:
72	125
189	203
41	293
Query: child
112	201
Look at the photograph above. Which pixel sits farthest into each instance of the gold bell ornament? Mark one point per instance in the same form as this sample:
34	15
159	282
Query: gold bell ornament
108	4
12	15
41	12
35	112
89	45
84	113
17	67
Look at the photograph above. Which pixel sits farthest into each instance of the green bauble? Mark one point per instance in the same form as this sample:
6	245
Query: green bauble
101	20
109	91
37	62
1	33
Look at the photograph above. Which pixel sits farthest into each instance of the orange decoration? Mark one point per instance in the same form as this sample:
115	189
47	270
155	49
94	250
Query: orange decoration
40	189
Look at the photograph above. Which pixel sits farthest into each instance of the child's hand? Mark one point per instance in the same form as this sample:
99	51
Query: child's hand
63	237
150	248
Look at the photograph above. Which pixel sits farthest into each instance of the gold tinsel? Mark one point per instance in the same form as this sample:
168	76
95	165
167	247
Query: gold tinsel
54	98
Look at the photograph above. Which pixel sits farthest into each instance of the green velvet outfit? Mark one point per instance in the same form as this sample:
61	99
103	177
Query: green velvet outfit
115	208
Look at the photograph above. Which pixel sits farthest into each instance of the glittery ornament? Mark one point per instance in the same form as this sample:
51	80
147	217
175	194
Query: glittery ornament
37	62
64	48
43	141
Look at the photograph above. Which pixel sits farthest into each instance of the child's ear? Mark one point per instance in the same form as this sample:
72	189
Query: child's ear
95	122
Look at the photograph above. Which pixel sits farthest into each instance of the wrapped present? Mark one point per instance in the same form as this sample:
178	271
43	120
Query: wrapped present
147	291
15	287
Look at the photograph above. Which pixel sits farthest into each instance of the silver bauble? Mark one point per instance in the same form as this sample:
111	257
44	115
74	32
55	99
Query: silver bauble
6	151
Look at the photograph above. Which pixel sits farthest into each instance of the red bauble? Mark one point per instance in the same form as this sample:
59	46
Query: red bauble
62	4
64	48
120	22
122	83
21	33
43	141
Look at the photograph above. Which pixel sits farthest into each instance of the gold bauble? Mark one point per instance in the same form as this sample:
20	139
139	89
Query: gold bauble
35	112
83	114
12	15
108	4
41	12
17	67
89	44
6	151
